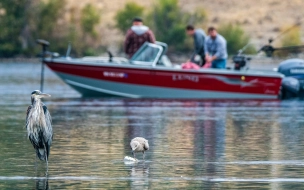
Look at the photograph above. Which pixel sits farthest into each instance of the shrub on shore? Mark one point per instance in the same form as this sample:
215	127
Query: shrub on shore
236	39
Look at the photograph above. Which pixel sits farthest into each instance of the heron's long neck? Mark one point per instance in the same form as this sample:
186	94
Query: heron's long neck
36	102
37	111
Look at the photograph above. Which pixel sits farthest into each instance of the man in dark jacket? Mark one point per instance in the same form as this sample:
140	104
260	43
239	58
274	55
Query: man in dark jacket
136	36
199	41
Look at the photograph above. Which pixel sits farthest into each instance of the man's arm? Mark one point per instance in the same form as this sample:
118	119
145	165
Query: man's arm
151	37
207	54
206	46
198	41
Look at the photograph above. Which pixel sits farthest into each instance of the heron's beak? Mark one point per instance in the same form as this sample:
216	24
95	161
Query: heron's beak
43	95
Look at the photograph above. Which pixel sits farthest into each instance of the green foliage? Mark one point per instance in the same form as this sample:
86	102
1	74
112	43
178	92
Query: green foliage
24	21
89	19
47	27
236	38
48	16
125	16
292	38
168	23
11	23
89	51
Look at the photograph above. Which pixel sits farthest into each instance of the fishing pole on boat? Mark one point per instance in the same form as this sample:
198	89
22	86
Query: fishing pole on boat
240	60
269	49
44	45
244	48
69	50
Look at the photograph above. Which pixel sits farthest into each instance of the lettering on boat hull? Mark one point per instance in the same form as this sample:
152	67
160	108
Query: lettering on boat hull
192	78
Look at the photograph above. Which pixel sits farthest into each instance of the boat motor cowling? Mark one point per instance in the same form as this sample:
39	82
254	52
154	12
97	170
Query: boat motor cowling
292	67
290	88
293	83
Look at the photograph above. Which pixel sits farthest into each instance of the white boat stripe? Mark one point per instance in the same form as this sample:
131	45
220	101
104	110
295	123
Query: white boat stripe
102	90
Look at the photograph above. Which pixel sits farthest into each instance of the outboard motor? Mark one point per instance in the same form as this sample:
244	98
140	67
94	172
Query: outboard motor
293	83
240	62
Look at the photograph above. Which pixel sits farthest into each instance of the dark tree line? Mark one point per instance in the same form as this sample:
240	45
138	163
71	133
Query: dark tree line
24	21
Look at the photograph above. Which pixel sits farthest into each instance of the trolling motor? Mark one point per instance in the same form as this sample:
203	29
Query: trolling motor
44	45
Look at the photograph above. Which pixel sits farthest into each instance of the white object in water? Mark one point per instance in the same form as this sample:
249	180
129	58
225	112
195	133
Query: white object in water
130	159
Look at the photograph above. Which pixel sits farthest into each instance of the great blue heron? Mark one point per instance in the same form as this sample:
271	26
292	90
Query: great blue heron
139	144
39	126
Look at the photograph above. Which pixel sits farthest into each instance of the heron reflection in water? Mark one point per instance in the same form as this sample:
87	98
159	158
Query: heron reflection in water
42	184
39	126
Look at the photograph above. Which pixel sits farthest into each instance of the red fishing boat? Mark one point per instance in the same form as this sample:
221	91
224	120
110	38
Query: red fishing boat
150	74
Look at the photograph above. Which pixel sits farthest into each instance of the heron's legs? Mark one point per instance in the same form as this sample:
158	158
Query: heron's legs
133	154
46	159
36	164
47	163
143	155
46	184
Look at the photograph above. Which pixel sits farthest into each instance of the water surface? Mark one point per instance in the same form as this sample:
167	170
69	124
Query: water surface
193	144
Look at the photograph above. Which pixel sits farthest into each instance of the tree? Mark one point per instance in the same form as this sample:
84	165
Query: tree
12	19
47	25
47	18
236	38
89	19
167	22
125	16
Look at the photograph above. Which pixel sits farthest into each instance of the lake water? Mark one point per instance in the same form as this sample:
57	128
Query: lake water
193	144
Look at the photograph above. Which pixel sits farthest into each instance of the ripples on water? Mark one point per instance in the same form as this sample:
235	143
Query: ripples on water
193	144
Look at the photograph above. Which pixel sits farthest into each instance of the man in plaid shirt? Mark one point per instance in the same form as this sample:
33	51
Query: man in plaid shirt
136	36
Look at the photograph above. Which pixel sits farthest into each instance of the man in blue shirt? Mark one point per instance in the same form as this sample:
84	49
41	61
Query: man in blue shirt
215	49
199	41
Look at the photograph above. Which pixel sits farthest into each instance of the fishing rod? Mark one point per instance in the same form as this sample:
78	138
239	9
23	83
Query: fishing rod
269	49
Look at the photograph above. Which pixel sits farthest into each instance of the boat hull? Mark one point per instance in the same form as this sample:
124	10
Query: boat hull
142	82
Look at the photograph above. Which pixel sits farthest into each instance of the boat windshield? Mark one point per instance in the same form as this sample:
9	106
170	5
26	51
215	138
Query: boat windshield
148	54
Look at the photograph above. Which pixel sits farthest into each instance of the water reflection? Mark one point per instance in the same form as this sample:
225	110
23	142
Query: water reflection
195	144
139	173
42	184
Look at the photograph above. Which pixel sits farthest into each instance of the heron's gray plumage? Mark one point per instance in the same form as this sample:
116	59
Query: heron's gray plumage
39	126
139	144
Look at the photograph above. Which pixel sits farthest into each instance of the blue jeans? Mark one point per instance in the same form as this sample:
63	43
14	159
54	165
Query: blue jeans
219	64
